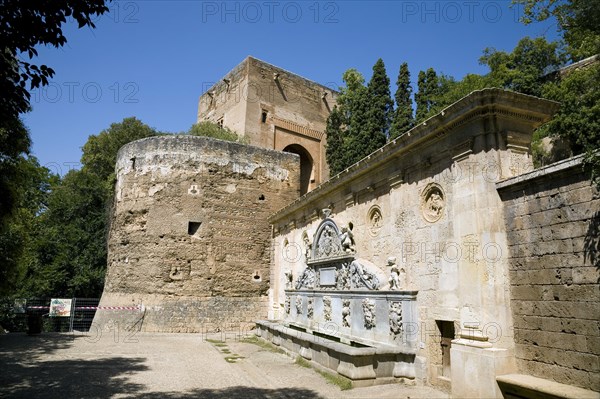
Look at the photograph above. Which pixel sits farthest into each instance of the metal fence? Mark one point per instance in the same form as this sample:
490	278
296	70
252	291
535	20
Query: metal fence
24	315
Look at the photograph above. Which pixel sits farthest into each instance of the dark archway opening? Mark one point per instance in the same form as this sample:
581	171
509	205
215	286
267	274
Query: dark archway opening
306	166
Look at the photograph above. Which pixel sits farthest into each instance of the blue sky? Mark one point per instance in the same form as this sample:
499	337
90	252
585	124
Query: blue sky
153	59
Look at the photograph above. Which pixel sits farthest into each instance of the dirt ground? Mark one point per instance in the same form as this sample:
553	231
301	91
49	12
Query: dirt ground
145	365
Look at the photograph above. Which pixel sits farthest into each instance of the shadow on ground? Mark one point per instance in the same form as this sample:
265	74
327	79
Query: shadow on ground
25	374
34	367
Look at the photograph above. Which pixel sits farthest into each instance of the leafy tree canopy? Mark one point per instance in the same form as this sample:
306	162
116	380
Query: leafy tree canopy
100	151
213	130
25	24
577	22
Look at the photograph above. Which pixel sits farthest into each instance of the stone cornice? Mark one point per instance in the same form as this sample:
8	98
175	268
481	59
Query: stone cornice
477	105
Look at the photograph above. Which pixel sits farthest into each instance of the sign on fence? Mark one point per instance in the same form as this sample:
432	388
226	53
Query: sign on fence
60	308
20	306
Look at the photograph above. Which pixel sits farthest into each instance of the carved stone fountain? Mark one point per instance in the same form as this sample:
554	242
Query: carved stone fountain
337	315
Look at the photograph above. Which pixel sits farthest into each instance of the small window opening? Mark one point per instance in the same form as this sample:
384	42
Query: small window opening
193	227
220	122
263	118
261	197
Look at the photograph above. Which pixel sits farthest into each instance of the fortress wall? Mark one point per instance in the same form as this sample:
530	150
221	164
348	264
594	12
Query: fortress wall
553	226
429	200
189	236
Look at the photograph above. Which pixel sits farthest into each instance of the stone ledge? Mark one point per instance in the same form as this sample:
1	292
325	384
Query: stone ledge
527	386
556	167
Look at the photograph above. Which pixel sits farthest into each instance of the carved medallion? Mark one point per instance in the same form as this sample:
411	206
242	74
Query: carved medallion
368	306
375	220
433	202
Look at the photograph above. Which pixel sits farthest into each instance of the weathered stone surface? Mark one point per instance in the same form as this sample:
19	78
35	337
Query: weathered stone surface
429	199
554	275
274	108
189	233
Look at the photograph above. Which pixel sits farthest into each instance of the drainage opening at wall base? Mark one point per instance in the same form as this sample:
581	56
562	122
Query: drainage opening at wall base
193	227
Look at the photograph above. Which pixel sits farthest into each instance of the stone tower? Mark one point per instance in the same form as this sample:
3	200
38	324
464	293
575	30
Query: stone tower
274	109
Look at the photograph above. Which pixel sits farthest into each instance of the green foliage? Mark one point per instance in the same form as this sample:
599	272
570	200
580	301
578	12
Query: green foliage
345	122
403	118
334	147
431	88
56	242
212	130
578	120
421	97
14	146
523	69
361	122
67	255
577	22
100	151
17	235
380	109
24	25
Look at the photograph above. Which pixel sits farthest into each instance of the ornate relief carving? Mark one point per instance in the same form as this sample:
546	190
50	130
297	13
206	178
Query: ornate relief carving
361	278
329	243
307	279
375	220
287	305
327	308
342	278
347	239
298	305
395	319
307	245
433	202
368	306
310	308
346	321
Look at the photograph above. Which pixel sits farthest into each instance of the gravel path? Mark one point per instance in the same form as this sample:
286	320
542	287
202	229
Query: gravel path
164	366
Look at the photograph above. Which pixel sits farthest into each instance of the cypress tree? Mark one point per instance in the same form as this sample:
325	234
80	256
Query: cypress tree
335	143
379	110
421	97
403	116
432	89
425	98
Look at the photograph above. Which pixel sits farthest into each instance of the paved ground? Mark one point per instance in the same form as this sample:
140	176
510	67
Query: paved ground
164	366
